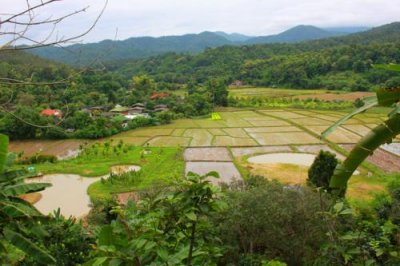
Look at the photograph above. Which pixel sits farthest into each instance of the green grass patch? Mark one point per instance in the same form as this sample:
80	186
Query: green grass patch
157	165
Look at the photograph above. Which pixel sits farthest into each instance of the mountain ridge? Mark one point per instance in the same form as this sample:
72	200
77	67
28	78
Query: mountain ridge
144	47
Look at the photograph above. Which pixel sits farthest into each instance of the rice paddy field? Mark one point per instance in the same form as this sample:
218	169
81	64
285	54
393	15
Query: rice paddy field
324	95
243	128
225	144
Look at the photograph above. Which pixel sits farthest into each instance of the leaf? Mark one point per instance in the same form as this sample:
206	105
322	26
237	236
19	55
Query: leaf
370	102
3	151
96	261
347	211
115	262
18	208
338	207
106	236
28	247
20	189
192	216
163	254
390	67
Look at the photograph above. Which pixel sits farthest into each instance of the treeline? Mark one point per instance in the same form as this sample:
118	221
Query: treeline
340	63
344	67
31	84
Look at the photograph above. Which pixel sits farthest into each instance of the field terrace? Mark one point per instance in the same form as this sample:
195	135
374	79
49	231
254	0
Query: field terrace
295	130
225	145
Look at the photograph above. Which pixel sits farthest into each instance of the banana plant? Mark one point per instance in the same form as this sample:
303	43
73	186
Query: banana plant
15	211
381	134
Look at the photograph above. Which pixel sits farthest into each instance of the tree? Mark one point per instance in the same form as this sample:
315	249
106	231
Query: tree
16	35
321	171
218	91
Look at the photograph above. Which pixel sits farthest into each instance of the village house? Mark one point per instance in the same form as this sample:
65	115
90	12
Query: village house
160	108
94	110
118	109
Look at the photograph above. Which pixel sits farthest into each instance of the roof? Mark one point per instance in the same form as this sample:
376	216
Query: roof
138	105
51	112
119	109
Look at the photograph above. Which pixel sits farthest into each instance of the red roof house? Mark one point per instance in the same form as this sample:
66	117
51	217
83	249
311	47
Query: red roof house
51	112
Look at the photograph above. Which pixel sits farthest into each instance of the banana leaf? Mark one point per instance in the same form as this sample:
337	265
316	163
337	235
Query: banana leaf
3	151
17	208
370	102
379	135
23	188
28	247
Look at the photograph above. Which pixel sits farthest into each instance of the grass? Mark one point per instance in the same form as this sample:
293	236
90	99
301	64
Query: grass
159	164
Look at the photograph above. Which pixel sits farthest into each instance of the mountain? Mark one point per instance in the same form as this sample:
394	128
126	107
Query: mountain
335	63
347	30
233	37
297	34
145	47
132	48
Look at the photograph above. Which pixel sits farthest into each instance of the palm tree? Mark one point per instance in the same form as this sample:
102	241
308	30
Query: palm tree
381	134
14	211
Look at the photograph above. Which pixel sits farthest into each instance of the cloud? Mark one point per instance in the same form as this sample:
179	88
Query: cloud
175	17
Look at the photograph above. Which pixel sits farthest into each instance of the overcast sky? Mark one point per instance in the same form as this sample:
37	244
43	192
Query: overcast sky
131	18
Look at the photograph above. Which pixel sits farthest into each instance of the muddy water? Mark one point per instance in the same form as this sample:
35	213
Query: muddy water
67	193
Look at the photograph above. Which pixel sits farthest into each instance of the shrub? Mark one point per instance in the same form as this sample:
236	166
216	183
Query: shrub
321	171
359	103
64	238
267	220
42	158
165	117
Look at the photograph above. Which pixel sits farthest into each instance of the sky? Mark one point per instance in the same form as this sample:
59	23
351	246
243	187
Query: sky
132	18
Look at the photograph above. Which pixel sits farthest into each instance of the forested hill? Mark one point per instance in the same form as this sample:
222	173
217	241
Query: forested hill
143	47
333	63
296	34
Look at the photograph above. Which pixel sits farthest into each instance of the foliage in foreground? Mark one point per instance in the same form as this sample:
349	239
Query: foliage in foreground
170	228
17	215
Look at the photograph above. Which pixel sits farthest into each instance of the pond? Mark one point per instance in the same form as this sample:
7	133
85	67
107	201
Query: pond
69	192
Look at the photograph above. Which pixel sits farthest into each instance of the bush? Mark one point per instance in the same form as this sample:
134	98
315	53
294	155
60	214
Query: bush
64	238
359	103
42	158
267	220
165	117
321	171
